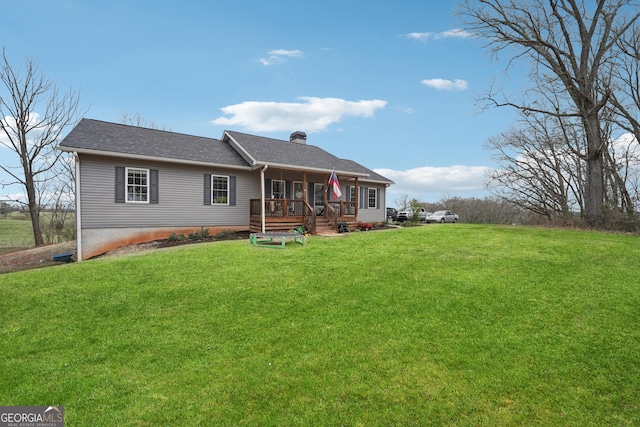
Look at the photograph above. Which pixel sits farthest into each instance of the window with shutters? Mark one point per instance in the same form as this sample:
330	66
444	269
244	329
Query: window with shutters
219	190
373	197
137	185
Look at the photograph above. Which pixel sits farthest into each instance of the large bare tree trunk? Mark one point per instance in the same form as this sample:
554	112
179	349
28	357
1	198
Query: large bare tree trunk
594	196
569	44
32	117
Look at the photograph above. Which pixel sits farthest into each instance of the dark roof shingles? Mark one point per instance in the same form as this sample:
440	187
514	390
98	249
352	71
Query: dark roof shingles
277	151
118	138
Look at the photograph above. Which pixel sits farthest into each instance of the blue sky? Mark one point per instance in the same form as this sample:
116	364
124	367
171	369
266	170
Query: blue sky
389	84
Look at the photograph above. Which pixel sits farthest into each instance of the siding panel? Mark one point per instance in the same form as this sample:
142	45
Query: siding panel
180	190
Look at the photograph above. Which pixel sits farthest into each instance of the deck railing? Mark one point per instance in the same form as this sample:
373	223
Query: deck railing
300	211
277	208
331	214
343	209
309	217
282	208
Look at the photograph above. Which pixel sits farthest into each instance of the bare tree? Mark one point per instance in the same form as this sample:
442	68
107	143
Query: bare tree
402	202
626	72
139	121
569	44
33	115
488	210
57	194
540	167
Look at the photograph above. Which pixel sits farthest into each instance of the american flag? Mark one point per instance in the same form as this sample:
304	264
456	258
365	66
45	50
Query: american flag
333	181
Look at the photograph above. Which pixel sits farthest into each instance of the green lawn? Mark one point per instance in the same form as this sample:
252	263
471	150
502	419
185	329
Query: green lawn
15	232
434	325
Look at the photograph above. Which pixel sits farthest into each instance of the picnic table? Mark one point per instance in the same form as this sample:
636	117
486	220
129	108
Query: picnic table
274	239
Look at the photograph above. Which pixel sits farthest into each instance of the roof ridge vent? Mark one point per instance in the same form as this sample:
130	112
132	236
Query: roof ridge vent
298	137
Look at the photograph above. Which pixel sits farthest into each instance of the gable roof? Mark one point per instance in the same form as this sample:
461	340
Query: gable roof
235	150
113	139
259	150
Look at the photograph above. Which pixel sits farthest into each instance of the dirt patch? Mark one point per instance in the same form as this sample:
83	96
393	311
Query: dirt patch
39	257
42	256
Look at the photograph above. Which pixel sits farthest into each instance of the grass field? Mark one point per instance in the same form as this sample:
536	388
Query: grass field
434	325
15	232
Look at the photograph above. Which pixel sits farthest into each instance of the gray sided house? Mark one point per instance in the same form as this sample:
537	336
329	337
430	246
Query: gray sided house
136	184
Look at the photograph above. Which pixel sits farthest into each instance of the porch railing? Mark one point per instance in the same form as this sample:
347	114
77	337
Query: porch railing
290	210
277	208
331	214
309	217
343	209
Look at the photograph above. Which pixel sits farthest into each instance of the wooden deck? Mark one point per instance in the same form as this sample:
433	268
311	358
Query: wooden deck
288	214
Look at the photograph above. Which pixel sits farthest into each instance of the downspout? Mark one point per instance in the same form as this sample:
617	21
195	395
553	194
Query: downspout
262	196
78	209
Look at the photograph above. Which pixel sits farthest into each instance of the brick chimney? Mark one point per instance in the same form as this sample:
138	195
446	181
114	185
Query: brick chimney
299	137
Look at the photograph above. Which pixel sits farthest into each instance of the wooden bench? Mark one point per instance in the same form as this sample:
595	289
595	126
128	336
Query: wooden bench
275	239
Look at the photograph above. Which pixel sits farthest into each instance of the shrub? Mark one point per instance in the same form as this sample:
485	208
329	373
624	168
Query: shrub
199	235
226	235
173	237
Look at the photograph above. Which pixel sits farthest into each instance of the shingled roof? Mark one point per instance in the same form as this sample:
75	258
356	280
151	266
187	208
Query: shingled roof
236	149
260	150
117	139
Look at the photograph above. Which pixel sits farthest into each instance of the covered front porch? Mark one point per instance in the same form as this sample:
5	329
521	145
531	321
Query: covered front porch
287	214
291	199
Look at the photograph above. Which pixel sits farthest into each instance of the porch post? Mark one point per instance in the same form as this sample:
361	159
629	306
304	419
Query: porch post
357	198
262	199
78	208
325	194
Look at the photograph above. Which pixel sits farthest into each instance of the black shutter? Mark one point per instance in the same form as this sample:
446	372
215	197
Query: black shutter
267	188
153	186
120	184
232	191
287	190
207	188
377	198
365	197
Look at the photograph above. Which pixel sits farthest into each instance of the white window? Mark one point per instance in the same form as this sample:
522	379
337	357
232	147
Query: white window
352	193
373	197
277	189
137	185
219	190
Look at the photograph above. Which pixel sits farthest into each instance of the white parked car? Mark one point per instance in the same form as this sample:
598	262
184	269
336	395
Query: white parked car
442	216
407	214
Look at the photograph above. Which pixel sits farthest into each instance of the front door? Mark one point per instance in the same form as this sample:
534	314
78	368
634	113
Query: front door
318	198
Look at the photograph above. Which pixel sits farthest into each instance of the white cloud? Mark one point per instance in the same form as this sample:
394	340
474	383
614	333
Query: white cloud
442	84
278	55
420	36
456	33
430	181
312	114
12	197
9	122
453	33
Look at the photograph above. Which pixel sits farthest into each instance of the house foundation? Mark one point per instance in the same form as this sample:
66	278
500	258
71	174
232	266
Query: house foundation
97	241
